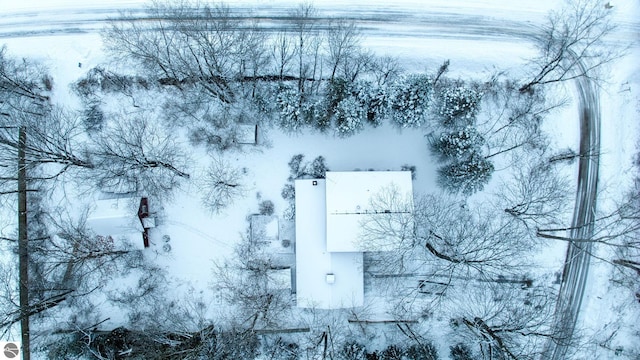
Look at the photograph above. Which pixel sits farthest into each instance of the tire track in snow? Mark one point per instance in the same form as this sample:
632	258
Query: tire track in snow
578	259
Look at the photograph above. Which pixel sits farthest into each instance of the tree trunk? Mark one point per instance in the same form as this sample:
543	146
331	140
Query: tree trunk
23	254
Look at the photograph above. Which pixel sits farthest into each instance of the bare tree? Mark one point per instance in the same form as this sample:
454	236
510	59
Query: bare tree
73	255
24	106
247	282
52	140
511	120
450	240
191	44
390	223
23	85
308	43
506	322
343	46
470	242
51	136
221	185
385	69
67	260
575	35
283	52
536	195
134	153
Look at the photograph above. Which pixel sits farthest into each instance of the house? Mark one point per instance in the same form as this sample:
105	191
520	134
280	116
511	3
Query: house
329	240
117	219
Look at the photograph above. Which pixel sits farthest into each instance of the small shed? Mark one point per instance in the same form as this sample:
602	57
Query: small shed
247	134
117	219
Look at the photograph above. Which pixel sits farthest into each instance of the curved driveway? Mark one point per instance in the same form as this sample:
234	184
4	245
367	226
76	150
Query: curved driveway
576	266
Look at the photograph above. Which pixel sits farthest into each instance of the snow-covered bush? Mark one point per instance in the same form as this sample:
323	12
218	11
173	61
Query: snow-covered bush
423	351
100	79
289	104
374	102
266	208
337	90
288	192
461	352
290	212
392	352
93	117
466	176
315	114
457	144
349	117
353	350
296	169
410	100
459	105
412	168
318	168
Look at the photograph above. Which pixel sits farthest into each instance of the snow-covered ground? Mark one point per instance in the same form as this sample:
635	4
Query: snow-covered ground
479	37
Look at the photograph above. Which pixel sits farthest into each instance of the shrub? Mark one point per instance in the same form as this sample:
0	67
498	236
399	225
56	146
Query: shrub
461	352
412	168
372	356
289	104
288	192
422	352
266	207
353	351
316	114
296	169
393	352
93	117
318	168
290	212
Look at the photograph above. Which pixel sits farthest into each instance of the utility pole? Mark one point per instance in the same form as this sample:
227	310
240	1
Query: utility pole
23	251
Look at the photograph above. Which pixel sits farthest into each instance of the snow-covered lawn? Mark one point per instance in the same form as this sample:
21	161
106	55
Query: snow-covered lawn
198	238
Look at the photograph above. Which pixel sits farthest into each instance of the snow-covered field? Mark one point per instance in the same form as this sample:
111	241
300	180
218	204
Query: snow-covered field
479	37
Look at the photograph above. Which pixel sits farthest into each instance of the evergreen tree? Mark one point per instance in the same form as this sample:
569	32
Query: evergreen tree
349	117
458	144
459	106
466	176
410	100
374	102
289	104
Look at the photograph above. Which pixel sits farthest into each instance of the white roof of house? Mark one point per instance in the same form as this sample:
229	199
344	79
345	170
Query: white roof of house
352	198
117	218
314	262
